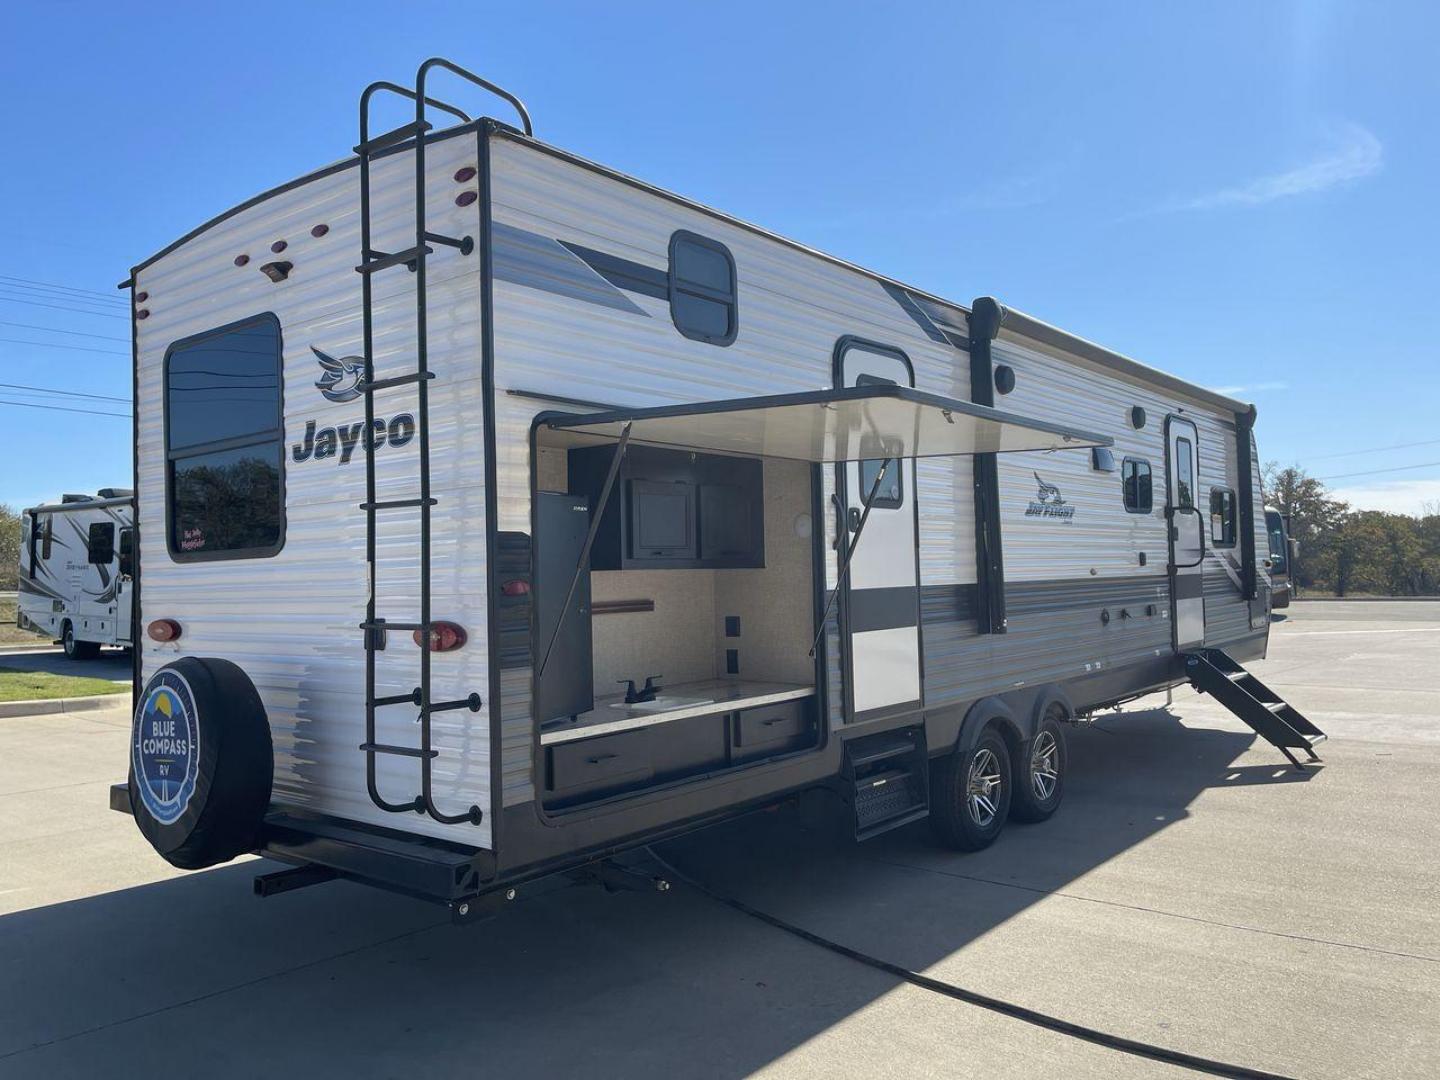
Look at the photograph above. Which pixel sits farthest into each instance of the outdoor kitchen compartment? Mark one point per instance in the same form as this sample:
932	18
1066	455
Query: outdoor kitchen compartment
674	508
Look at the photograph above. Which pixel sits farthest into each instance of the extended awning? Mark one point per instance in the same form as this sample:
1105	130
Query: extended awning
854	423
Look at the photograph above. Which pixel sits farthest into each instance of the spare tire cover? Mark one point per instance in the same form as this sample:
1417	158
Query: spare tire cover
201	762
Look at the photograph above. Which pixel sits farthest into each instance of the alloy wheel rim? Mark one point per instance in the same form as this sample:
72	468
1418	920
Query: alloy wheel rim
982	787
1045	766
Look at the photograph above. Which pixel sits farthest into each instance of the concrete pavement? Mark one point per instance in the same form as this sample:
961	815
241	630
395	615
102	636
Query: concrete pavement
1192	892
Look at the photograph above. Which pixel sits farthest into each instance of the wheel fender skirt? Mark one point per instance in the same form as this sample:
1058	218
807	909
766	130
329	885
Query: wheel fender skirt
1048	697
979	717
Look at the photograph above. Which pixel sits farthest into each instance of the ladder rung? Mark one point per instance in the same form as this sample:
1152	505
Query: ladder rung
396	380
412	698
390	138
466	244
395	504
399	751
386	624
472	703
384	262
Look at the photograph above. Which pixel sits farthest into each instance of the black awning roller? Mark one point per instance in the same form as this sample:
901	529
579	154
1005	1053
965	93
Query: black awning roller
853	423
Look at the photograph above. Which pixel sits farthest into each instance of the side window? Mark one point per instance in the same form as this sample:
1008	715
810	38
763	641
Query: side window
224	443
100	544
1184	471
702	289
1222	517
127	552
1135	482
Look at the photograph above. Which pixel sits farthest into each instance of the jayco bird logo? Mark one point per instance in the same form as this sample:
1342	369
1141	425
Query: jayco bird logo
340	382
341	378
1048	502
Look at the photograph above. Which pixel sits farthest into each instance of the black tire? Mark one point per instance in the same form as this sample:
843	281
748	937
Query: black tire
1038	784
77	650
201	762
958	820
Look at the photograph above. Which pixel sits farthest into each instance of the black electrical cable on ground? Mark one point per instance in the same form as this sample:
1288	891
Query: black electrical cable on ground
970	997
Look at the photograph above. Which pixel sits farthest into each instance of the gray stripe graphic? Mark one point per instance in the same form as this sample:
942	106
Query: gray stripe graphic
538	262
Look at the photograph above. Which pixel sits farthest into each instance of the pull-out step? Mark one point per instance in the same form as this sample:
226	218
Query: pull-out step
886	780
1213	672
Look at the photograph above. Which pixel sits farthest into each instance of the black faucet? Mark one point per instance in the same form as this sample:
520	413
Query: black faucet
645	693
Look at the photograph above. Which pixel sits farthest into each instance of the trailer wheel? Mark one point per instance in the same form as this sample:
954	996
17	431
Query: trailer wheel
201	762
1039	782
970	793
77	650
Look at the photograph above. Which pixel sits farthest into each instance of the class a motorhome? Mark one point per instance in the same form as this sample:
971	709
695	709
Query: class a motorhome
502	512
75	582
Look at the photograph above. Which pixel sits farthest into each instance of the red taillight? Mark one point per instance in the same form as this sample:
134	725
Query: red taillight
163	630
444	636
516	588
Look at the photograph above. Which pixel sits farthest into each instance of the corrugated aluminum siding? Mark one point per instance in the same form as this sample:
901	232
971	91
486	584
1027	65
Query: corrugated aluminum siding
793	309
291	621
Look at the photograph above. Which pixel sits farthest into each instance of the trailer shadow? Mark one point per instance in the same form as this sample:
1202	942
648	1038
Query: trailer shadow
340	979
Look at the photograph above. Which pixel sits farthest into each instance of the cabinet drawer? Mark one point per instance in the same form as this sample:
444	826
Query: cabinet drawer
611	761
771	724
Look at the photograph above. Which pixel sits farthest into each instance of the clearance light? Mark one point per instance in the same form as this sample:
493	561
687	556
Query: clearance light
444	636
163	630
319	231
241	260
465	198
278	246
516	588
465	175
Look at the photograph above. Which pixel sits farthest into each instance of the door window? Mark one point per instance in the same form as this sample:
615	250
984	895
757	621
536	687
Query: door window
1184	472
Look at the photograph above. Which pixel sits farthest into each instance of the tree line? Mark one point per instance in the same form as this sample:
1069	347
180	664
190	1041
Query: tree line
1355	552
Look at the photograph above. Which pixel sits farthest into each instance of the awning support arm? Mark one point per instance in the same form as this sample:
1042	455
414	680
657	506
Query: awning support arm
595	514
850	551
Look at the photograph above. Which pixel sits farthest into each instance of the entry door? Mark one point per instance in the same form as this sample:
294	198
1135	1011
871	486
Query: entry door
882	595
1187	532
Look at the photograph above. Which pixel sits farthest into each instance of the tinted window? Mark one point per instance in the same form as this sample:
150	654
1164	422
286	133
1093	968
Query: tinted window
702	289
1222	517
1135	482
101	542
225	442
1184	472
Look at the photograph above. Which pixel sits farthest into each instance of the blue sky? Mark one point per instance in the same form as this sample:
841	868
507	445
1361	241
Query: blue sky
1241	193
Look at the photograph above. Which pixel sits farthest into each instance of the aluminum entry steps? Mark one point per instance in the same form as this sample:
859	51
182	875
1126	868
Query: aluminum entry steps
886	780
1213	672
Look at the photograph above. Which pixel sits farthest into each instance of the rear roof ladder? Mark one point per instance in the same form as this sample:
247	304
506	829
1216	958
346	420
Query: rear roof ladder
410	135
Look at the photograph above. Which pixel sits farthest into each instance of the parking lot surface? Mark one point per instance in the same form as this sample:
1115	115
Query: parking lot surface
1193	892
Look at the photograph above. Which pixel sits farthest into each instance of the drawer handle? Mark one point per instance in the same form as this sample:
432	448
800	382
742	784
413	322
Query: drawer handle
598	758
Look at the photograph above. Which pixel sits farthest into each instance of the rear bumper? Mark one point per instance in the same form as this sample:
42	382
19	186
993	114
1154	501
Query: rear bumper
415	866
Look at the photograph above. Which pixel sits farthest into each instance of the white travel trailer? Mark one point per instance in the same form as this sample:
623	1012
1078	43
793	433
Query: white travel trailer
76	571
501	511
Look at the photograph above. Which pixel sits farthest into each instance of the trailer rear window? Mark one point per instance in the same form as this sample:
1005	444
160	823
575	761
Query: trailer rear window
702	289
224	440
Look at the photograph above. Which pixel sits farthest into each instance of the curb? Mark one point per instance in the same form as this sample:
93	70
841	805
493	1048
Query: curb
44	706
1364	599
